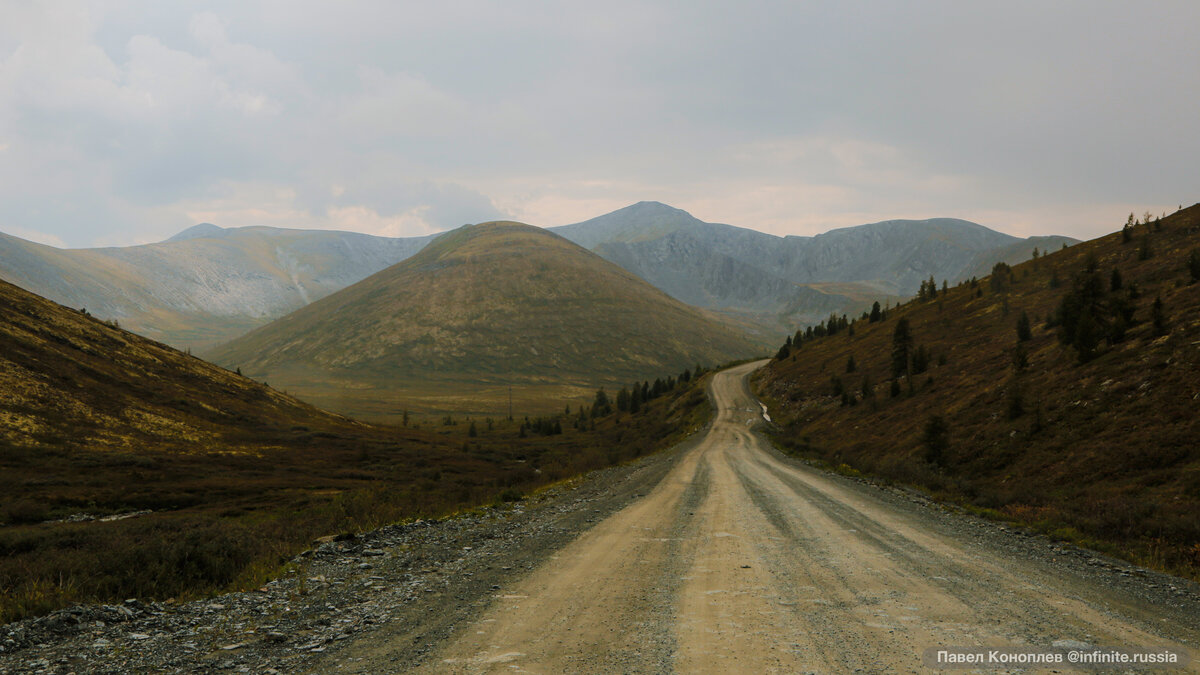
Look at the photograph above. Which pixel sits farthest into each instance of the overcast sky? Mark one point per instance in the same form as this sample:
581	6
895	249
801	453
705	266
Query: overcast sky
125	122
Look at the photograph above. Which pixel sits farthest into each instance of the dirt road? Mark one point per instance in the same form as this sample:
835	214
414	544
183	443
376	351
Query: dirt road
741	560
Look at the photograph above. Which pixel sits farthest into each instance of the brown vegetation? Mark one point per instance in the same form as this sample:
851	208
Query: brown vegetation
481	309
1086	431
237	476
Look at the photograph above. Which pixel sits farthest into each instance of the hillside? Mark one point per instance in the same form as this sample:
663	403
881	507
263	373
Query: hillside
208	284
128	468
1085	430
778	282
205	285
480	309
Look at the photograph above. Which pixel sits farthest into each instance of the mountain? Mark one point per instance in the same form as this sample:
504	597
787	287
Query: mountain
205	285
130	469
781	282
70	379
1085	427
479	309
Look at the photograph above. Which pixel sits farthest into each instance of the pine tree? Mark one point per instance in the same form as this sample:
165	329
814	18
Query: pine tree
1001	277
1115	282
921	358
1194	265
902	345
471	431
1158	317
1079	313
936	438
1024	329
876	313
601	405
850	365
835	383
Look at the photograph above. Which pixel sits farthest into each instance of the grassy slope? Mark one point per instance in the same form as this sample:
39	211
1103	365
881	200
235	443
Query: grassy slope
96	420
1105	452
482	308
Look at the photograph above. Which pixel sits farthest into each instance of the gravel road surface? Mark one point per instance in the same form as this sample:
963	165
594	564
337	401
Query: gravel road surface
742	560
720	555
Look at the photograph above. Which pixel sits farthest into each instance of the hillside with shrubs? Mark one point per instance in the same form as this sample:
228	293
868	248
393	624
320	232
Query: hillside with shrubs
1062	394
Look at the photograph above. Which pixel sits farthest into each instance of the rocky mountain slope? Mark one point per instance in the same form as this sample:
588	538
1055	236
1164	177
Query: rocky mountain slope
484	306
1060	393
777	282
205	285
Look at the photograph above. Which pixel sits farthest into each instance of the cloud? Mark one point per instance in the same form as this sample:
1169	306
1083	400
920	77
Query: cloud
123	121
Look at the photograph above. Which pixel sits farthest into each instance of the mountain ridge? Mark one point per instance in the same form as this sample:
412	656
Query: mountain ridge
1082	430
488	305
207	284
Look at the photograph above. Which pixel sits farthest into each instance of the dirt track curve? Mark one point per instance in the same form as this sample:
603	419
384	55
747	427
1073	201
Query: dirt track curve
743	561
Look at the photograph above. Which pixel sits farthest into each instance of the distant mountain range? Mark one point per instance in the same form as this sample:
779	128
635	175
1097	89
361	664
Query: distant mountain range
205	285
483	306
208	284
780	283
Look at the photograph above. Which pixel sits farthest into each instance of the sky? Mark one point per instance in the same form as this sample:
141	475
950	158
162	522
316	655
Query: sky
124	122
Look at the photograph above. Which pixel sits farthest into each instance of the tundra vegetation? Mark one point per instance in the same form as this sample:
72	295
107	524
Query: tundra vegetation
128	468
1060	393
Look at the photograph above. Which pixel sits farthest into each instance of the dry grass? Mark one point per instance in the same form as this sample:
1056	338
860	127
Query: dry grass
480	309
238	476
1103	452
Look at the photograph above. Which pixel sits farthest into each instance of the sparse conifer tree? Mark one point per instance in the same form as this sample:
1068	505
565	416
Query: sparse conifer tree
835	383
936	438
1001	278
850	365
1024	329
601	405
902	345
1194	265
876	313
920	360
1158	317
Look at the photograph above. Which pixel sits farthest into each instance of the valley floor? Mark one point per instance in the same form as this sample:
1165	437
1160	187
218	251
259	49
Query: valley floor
720	555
